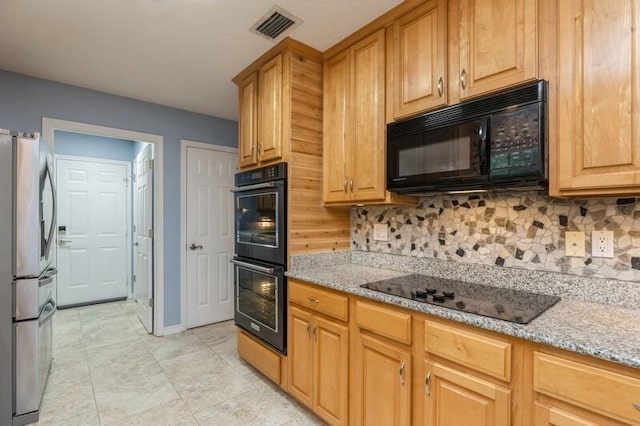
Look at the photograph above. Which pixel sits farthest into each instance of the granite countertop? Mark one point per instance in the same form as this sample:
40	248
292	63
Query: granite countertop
604	331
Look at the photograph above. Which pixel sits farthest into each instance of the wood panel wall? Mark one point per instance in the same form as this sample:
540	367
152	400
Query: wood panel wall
312	227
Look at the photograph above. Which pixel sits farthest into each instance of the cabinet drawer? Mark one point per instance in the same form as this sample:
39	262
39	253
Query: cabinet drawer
595	389
477	351
263	359
319	300
384	321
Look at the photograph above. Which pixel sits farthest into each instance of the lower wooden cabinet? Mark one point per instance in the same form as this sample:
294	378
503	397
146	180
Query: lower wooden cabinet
382	388
549	414
455	398
318	364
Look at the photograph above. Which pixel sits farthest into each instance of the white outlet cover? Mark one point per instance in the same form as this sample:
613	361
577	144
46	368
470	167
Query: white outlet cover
574	245
380	232
602	244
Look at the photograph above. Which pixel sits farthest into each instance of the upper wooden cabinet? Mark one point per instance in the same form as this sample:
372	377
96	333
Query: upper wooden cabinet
275	119
418	69
595	131
496	45
354	124
248	121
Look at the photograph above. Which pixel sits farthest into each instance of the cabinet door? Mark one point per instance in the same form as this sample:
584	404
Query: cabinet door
330	375
335	128
248	121
382	391
300	355
498	44
546	415
270	120
598	139
419	57
454	398
368	125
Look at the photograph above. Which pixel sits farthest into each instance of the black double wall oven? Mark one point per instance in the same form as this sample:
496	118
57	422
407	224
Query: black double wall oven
261	253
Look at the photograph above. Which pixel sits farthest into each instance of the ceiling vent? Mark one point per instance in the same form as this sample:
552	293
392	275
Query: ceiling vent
275	24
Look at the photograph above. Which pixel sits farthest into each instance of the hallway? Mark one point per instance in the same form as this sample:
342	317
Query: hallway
108	370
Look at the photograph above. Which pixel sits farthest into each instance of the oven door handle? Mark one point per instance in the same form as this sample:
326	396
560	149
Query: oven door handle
271	184
254	267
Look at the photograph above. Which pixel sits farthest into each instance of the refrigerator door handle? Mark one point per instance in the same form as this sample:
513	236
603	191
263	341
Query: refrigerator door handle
54	202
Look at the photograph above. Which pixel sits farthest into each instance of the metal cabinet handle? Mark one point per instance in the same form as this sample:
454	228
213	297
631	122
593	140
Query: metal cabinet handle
402	373
195	247
351	185
315	335
309	330
463	78
344	186
637	405
313	300
427	384
440	87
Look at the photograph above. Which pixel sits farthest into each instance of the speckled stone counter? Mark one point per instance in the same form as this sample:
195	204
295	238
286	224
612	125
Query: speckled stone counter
607	331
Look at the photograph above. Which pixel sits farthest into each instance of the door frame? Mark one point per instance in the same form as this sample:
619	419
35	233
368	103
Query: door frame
128	208
50	125
185	143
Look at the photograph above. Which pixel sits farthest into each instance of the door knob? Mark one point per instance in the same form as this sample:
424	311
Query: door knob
195	247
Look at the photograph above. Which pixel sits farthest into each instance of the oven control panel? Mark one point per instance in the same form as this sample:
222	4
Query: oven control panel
263	174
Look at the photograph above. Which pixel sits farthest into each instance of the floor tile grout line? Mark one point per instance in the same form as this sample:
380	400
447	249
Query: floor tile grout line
86	354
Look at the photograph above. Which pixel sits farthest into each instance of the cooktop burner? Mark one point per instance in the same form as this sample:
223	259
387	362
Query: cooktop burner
495	302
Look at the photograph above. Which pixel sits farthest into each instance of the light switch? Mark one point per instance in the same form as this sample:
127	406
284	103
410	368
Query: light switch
380	232
574	244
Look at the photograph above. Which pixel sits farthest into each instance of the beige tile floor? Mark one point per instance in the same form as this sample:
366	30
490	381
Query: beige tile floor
108	370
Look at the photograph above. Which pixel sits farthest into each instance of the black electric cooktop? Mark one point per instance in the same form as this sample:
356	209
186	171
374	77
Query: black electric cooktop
495	302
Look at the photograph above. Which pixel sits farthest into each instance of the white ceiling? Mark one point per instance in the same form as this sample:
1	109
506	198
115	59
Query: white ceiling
180	53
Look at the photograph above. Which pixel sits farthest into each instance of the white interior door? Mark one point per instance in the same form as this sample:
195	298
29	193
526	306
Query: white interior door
209	224
143	237
92	249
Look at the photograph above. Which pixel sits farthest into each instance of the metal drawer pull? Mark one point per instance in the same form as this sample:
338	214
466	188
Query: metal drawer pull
427	384
637	405
440	87
402	373
463	78
313	300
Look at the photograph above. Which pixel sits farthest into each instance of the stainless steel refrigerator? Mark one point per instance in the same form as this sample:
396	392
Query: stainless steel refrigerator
27	274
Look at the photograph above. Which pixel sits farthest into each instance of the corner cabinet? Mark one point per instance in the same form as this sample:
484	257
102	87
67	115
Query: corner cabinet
597	120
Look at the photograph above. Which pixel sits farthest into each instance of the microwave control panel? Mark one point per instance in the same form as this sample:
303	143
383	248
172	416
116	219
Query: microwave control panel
514	148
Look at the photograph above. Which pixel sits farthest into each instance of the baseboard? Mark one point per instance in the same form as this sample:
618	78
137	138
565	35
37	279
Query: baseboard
174	329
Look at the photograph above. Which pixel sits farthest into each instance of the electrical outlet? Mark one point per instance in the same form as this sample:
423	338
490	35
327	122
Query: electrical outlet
602	244
574	244
380	232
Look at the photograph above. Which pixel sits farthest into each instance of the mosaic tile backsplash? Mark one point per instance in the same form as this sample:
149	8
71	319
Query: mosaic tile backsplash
523	230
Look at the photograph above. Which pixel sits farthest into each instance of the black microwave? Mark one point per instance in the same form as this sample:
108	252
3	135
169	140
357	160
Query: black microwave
493	142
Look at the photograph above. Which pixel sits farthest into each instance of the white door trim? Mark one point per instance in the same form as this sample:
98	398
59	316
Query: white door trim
50	125
129	207
183	217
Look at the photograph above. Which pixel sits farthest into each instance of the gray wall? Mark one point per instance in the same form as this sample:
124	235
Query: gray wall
25	100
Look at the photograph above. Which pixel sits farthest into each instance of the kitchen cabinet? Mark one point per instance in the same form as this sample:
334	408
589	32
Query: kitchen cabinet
260	117
594	126
493	44
460	366
382	366
248	121
455	398
418	65
354	125
318	354
570	390
382	391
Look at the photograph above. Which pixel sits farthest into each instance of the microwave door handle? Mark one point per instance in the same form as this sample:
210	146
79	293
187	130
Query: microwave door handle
482	136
